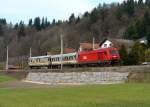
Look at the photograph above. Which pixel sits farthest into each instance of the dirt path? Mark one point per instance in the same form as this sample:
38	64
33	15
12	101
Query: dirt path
21	84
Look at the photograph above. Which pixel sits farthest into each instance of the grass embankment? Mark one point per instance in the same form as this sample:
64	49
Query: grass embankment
4	78
122	95
139	77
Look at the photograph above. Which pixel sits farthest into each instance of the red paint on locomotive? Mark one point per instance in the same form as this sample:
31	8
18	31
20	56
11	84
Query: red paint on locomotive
97	56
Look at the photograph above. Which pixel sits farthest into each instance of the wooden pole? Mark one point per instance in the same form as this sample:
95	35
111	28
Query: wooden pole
61	36
7	60
30	52
93	43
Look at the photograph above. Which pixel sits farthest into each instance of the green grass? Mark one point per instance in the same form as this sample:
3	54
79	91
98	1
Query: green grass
4	78
122	95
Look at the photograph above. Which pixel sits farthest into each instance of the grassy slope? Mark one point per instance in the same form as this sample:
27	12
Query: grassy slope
124	95
6	78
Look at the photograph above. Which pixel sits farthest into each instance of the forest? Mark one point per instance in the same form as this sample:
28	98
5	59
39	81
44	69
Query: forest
127	20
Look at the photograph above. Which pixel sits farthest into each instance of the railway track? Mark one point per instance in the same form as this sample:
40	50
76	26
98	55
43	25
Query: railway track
88	69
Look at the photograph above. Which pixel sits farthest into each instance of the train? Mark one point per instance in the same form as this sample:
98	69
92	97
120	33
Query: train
96	57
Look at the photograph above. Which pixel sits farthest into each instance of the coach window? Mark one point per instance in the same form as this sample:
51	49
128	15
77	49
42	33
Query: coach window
72	57
65	58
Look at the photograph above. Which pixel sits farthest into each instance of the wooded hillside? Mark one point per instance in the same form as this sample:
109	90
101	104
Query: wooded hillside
129	20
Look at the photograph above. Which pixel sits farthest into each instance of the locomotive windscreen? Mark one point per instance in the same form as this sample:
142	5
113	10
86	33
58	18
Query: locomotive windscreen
114	52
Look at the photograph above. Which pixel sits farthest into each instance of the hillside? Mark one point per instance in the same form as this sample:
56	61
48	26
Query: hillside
129	20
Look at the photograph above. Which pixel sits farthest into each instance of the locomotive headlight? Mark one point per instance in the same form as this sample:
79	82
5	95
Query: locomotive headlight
114	56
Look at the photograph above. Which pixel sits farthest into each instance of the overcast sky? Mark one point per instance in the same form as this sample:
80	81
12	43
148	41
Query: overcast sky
16	10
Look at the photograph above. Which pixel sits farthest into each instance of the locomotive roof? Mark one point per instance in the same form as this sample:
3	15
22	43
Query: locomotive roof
98	50
41	56
69	54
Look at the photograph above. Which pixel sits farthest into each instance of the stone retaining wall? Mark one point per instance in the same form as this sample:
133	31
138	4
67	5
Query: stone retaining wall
78	78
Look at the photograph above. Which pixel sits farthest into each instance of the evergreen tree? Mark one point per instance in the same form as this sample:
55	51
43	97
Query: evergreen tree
147	2
37	23
59	22
130	33
147	55
103	13
30	23
1	30
21	31
16	26
129	7
53	22
47	23
43	24
148	38
3	21
78	20
72	18
94	16
136	55
86	14
119	12
123	54
140	2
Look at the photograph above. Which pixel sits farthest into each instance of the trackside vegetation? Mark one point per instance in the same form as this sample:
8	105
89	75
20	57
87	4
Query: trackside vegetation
121	95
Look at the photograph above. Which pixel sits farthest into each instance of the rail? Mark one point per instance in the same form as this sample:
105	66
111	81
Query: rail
135	68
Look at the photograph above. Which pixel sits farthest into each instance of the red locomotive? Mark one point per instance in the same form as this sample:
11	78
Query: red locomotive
100	56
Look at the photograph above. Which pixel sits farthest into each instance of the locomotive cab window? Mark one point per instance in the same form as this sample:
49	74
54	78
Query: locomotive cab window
114	52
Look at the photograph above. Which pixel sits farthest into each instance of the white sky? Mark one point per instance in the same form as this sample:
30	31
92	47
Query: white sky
16	10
